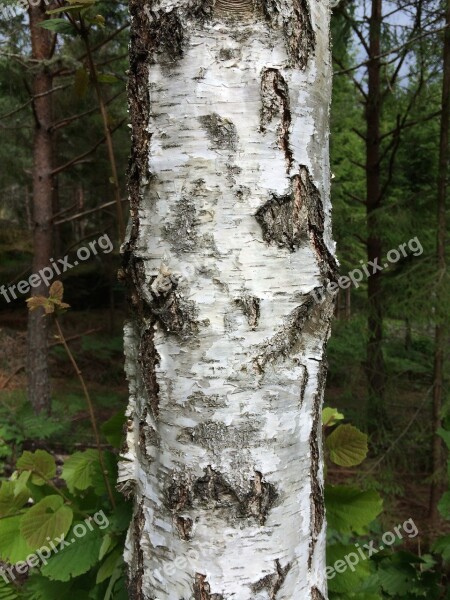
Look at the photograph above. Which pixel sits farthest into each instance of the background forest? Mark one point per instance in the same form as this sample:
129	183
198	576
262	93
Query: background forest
387	424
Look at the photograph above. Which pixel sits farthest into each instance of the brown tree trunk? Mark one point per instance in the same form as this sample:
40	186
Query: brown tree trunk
440	330
375	360
37	359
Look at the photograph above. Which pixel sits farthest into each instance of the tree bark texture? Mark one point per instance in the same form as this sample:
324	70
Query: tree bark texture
37	353
228	247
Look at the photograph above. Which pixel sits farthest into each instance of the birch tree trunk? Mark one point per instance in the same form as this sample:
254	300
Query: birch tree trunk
226	261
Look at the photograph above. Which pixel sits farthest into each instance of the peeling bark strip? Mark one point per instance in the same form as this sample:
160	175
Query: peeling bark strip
295	19
275	103
230	240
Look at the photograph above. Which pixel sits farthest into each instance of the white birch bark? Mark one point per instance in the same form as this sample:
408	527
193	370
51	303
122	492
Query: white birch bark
229	241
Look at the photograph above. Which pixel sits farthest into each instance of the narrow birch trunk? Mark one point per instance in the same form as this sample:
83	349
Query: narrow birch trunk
43	193
226	260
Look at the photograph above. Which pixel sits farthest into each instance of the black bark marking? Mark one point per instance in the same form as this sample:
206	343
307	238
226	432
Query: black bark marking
212	491
282	222
316	594
307	194
202	589
259	500
184	527
317	492
297	28
167	35
282	343
148	359
275	104
221	132
273	582
250	306
136	567
182	233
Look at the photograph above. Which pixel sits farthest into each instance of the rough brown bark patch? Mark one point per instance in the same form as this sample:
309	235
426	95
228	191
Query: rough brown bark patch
221	132
148	359
273	582
316	594
317	492
275	104
136	572
251	308
202	589
298	31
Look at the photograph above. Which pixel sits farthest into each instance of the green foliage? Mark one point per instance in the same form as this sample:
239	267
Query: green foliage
347	446
38	508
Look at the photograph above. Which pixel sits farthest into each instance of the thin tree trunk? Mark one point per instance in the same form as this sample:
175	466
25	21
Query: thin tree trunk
229	250
375	361
37	357
441	330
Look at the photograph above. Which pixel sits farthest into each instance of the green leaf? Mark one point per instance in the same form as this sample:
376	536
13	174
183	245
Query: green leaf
107	78
343	578
108	566
59	26
350	509
11	501
79	471
444	505
442	546
347	446
74	7
76	559
7	591
445	435
330	416
113	429
40	588
21	482
108	543
397	579
13	547
40	463
49	518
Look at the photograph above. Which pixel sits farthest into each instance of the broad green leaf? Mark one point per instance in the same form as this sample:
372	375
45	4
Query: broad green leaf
13	546
330	416
442	546
350	578
76	559
108	566
397	579
7	591
74	7
59	26
49	518
107	78
40	588
108	543
347	446
113	429
10	501
444	505
350	509
21	482
40	463
445	435
79	470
